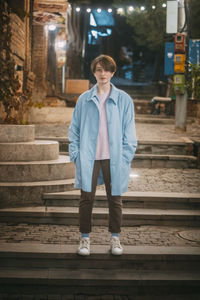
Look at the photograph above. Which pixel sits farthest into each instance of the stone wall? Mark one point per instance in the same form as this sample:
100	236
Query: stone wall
39	57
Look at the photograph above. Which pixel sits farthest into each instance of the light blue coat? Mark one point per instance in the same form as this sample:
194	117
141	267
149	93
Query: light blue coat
83	133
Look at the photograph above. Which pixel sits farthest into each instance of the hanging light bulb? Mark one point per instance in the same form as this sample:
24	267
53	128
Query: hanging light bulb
99	10
78	9
153	7
142	8
109	10
164	5
88	10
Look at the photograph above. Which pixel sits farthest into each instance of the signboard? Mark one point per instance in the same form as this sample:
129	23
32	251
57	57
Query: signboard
172	17
169	58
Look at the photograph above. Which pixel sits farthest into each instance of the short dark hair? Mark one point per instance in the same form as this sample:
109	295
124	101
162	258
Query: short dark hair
107	62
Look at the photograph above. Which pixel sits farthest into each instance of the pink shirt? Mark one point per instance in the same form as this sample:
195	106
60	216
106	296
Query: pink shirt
103	147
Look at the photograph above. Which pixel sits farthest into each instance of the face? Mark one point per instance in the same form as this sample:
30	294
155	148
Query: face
101	75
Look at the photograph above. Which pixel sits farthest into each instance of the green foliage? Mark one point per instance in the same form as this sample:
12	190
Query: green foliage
13	99
193	81
148	25
194	23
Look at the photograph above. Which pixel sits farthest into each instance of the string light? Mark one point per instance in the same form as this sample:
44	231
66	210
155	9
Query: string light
120	10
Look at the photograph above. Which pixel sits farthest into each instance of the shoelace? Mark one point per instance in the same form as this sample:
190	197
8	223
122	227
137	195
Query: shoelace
116	243
85	243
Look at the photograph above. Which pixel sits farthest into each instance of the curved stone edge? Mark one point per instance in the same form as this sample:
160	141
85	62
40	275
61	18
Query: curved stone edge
17	133
60	169
31	195
29	151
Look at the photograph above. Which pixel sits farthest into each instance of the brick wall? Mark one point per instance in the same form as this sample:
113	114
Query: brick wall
17	42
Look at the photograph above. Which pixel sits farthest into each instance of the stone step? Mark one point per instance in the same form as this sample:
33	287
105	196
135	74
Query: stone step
32	171
34	255
164	161
130	200
146	160
131	216
17	133
15	194
57	269
183	147
152	119
37	150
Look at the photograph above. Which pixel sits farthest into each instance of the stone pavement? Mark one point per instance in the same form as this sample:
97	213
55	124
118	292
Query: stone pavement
136	236
144	131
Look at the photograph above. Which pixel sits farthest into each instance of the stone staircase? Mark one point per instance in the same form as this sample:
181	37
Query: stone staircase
30	167
156	154
142	272
171	209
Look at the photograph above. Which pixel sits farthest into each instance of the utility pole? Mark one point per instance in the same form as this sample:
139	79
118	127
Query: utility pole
181	99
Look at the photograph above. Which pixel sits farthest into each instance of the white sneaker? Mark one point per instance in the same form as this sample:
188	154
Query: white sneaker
115	246
84	247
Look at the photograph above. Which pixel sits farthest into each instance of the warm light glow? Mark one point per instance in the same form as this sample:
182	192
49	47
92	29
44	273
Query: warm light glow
131	8
52	27
164	5
120	10
142	8
99	10
153	7
78	9
109	10
61	44
88	10
132	175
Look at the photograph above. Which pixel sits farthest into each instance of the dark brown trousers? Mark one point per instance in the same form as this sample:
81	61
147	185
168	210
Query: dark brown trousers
87	200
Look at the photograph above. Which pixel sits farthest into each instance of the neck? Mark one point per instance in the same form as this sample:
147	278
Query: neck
103	88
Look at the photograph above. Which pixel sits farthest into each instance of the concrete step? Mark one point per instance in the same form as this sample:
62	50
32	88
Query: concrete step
32	171
34	255
15	194
30	151
130	200
34	268
131	216
146	160
164	161
17	133
183	147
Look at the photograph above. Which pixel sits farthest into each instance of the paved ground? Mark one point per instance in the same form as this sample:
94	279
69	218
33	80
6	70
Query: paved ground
137	235
165	132
145	131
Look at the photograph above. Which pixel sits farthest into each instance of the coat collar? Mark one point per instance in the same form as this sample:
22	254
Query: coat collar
113	95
